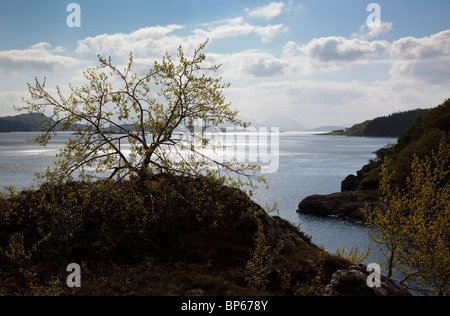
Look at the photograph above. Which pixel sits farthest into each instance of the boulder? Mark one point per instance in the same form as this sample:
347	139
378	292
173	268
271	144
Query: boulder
354	183
353	282
343	205
351	183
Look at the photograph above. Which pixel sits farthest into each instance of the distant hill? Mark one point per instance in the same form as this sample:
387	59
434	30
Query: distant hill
21	123
387	126
26	123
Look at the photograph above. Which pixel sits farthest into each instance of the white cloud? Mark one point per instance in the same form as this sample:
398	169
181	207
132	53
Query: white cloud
268	12
426	59
293	6
269	32
238	27
155	31
310	103
9	99
154	42
290	50
368	32
418	77
319	56
148	41
316	103
229	28
340	49
37	58
430	71
430	47
248	65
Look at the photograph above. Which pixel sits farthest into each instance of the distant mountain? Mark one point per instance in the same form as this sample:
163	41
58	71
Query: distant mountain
387	126
25	123
21	123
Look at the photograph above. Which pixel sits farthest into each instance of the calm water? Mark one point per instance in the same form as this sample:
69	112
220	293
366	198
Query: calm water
313	164
309	164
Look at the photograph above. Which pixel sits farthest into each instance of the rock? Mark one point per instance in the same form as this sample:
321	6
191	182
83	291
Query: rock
352	182
277	229
343	205
195	292
353	282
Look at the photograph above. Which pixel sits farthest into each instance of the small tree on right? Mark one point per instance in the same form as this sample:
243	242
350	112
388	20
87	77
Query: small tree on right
412	225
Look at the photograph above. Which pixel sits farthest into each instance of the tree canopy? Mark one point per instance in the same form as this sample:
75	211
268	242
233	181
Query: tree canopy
154	114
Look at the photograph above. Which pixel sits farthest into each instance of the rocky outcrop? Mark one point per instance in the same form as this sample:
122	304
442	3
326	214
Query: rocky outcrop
342	205
277	229
353	282
355	183
352	182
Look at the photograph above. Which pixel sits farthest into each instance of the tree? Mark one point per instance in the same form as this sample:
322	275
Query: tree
154	113
413	229
386	221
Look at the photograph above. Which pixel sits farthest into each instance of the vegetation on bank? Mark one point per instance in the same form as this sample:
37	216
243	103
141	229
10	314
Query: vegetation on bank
412	222
199	235
387	126
420	139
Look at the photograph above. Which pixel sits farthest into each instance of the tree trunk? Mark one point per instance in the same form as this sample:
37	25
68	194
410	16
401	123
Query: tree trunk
144	185
391	264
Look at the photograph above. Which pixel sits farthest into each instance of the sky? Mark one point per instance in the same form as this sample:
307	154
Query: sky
315	62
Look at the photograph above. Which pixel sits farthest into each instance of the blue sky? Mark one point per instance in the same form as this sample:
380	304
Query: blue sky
313	61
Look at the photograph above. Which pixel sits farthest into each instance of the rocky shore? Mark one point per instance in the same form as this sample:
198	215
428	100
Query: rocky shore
346	204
